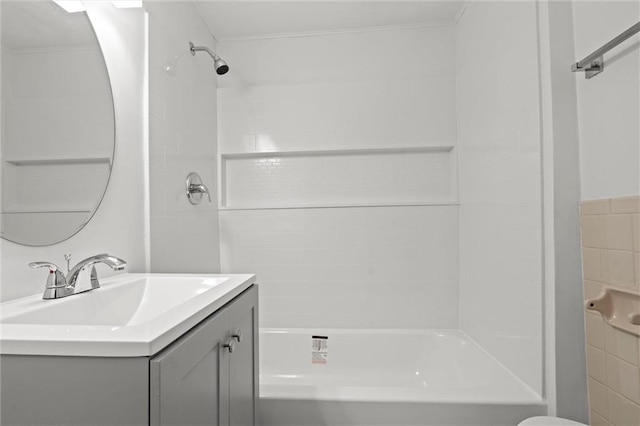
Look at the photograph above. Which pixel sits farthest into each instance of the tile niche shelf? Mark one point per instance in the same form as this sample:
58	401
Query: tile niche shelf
412	176
57	160
53	185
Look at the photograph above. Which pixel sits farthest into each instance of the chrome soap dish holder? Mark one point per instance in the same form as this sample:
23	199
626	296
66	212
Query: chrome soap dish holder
195	189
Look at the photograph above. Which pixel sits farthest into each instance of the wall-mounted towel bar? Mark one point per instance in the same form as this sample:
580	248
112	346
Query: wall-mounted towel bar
593	64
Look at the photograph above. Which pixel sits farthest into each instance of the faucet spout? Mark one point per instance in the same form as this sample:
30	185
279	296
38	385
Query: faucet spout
113	262
59	286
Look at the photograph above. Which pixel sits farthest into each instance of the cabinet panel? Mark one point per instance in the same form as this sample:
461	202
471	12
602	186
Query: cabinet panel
189	380
243	380
194	381
73	391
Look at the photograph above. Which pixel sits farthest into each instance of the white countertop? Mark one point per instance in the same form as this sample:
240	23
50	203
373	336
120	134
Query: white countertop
126	317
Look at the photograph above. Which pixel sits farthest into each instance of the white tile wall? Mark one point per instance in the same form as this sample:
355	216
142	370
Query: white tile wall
330	178
382	267
361	90
500	184
182	108
389	267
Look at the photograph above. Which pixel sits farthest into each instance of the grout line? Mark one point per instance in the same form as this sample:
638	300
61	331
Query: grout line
600	382
621	396
617	357
341	206
599	413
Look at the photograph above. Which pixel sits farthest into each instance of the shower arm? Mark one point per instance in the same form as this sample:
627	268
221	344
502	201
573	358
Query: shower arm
195	49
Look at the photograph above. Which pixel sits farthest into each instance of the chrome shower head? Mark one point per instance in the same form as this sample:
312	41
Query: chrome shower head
221	66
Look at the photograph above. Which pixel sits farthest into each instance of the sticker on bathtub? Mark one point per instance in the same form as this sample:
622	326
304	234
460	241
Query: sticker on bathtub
319	349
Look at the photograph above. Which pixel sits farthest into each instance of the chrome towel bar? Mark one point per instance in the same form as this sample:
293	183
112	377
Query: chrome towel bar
593	64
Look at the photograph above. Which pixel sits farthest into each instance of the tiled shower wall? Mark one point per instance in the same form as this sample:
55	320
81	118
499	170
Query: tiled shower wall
500	184
182	139
366	267
611	258
392	264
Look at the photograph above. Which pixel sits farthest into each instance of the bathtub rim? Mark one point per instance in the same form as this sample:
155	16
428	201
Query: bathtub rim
375	394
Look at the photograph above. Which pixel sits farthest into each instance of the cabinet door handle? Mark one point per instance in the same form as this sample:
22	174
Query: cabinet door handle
230	345
237	336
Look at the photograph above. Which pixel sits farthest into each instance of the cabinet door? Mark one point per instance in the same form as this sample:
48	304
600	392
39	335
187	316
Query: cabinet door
243	380
189	380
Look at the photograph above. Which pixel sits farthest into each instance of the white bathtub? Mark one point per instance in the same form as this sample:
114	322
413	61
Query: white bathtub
387	377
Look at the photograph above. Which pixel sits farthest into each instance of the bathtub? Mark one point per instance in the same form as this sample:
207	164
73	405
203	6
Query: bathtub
387	377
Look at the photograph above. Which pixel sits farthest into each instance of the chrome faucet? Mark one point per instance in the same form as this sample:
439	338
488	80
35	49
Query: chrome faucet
59	286
195	188
199	188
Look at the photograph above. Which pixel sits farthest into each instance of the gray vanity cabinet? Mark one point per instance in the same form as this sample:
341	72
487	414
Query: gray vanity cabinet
209	375
195	380
243	362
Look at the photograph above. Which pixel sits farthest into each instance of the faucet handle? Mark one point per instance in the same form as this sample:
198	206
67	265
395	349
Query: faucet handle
52	266
200	188
195	188
55	279
67	257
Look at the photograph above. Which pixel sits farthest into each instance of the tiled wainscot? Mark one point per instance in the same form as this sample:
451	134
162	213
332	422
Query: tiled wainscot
611	258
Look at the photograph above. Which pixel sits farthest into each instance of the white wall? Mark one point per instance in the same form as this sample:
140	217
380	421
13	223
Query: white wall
608	104
609	133
500	184
381	266
118	226
565	354
184	237
5	78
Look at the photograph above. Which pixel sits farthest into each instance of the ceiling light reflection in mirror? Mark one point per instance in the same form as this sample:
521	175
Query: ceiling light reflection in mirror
73	6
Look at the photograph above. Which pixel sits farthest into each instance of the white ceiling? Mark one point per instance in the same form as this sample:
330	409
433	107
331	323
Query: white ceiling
41	24
237	19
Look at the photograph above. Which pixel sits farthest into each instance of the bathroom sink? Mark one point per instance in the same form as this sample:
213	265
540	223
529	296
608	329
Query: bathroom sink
129	315
120	304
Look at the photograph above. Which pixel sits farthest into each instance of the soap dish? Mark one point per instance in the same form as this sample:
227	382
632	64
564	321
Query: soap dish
619	308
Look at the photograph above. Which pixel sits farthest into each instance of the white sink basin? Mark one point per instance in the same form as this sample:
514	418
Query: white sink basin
119	304
129	315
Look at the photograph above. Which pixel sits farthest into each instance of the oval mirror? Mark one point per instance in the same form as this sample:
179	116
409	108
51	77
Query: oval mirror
58	134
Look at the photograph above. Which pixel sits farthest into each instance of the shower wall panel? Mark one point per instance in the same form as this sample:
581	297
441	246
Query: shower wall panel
328	247
182	127
500	184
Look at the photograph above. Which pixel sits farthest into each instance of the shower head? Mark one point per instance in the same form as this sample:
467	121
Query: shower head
221	66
